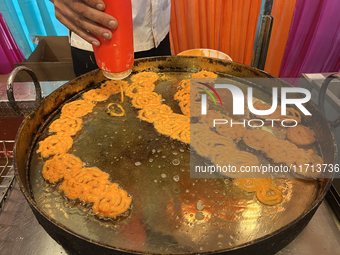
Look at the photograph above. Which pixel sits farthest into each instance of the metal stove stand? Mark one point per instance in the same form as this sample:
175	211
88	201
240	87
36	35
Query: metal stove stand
6	170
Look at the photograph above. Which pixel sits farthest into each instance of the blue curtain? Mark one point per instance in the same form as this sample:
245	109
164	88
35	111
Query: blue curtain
29	18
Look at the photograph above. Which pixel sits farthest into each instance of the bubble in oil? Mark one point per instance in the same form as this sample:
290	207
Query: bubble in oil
163	175
151	159
177	190
176	162
176	178
200	205
199	216
138	163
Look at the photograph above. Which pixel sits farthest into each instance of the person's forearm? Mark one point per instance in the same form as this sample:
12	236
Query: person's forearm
85	18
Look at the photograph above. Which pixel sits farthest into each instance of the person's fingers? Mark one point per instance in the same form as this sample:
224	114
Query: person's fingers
97	4
80	17
94	15
79	31
80	26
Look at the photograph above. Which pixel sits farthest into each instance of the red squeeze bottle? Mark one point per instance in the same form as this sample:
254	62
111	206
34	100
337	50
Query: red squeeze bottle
116	56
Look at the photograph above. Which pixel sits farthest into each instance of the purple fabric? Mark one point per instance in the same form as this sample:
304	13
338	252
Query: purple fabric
9	50
5	65
313	44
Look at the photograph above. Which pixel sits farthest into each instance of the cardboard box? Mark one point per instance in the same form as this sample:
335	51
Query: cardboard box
50	61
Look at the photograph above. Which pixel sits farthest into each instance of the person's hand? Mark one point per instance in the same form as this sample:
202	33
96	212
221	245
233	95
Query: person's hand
84	17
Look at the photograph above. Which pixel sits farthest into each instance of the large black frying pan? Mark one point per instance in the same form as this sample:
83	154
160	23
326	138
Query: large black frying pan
171	213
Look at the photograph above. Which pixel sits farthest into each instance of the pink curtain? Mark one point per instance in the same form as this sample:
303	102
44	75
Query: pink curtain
9	50
313	44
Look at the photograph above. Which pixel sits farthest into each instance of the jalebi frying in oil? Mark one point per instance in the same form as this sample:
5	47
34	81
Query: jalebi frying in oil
300	135
61	165
266	192
281	151
96	95
78	108
54	144
145	76
67	126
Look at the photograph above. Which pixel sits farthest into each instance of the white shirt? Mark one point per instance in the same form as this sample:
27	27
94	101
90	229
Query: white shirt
151	19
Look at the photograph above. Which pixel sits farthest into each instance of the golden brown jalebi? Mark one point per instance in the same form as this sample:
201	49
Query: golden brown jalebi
269	195
183	91
146	86
211	139
236	158
114	87
221	150
134	88
300	135
182	132
258	139
144	76
235	132
96	95
91	185
266	192
85	180
172	124
60	165
292	114
247	184
183	96
204	74
112	109
225	125
281	151
145	98
208	143
67	126
154	112
185	108
54	144
113	204
78	108
187	93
